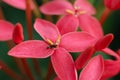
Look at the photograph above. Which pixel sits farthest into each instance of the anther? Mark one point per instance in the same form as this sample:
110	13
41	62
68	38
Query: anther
69	11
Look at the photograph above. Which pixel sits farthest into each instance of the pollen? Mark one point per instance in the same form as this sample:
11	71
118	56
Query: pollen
50	42
69	11
82	12
58	40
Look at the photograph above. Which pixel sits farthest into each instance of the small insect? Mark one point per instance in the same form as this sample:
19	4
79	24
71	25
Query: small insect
51	46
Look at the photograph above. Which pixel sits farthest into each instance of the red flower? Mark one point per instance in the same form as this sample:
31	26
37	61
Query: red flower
64	7
77	15
56	46
101	44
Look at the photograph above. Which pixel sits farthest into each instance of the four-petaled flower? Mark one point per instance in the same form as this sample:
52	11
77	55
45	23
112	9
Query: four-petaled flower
77	15
56	46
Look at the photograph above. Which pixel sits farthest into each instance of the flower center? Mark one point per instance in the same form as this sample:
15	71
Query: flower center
52	44
76	11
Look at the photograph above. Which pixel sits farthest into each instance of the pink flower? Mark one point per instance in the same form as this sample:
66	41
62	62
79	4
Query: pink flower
79	14
20	4
56	46
101	44
112	4
102	41
64	7
6	30
93	70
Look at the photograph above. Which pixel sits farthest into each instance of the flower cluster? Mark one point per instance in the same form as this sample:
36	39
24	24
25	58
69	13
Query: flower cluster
75	31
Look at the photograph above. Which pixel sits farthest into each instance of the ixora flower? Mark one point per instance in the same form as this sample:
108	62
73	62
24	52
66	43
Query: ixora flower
64	7
112	4
19	4
6	30
93	70
80	14
56	46
102	43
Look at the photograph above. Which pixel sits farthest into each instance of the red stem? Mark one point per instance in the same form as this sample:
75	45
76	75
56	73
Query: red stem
10	72
104	16
1	14
36	66
28	19
50	71
27	70
30	36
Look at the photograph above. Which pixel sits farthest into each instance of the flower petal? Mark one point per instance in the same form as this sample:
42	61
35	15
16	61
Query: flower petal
111	52
85	6
6	30
83	58
111	69
56	7
63	65
31	49
104	42
20	4
46	29
90	24
93	70
77	41
68	23
18	36
112	4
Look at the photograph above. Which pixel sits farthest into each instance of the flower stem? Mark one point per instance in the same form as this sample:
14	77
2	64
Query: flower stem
10	72
29	28
104	15
36	10
50	71
36	67
27	69
29	19
1	14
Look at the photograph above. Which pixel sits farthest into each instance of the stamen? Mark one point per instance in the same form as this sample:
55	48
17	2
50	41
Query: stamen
69	11
50	42
58	40
82	12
